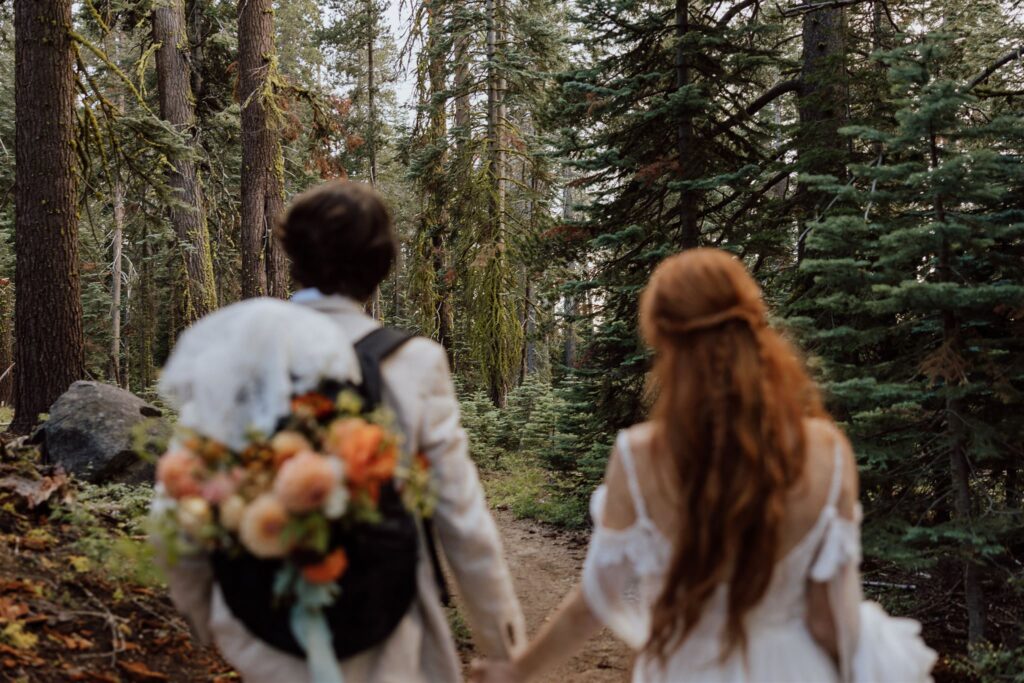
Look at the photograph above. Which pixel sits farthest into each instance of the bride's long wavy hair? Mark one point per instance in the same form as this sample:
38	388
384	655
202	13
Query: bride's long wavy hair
732	398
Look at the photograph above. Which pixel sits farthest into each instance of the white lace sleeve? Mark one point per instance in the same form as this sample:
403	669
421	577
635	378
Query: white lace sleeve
613	572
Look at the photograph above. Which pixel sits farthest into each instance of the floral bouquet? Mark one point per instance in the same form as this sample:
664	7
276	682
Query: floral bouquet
282	495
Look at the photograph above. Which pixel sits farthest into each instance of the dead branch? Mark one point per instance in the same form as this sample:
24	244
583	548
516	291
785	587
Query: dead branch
800	10
1012	55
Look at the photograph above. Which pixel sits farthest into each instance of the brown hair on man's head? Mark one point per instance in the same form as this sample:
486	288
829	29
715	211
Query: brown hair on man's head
340	239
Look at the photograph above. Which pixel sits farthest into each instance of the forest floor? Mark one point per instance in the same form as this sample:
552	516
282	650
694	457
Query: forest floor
545	563
81	601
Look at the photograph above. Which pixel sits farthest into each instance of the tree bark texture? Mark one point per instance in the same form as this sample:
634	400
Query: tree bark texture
198	291
48	308
689	163
957	437
496	116
117	247
264	266
822	106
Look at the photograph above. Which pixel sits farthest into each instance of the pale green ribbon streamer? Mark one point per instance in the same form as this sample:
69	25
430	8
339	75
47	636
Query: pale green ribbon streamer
309	626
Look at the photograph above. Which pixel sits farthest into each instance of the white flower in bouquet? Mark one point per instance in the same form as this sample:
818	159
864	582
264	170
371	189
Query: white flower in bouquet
231	512
194	515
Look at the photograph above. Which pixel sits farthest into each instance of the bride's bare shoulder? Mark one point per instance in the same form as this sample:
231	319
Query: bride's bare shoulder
641	437
824	438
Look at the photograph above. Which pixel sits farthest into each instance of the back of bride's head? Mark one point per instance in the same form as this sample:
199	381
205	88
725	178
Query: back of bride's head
732	399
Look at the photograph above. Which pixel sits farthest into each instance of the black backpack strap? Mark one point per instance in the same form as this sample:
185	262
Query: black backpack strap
372	350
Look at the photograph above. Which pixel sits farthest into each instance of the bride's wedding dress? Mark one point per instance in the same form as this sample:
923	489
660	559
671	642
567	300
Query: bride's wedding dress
624	573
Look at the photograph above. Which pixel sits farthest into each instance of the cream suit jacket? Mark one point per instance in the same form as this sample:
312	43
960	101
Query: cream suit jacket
419	388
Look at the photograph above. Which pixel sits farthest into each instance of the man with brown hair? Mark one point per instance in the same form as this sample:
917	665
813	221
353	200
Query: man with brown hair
342	244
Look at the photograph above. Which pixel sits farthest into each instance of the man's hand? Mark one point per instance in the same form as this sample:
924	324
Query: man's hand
484	671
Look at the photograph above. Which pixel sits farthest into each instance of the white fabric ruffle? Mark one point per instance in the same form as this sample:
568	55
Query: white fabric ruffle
234	372
890	649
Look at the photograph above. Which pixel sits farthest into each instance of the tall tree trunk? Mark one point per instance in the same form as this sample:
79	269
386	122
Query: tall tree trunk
371	106
437	220
493	238
115	284
197	38
462	104
689	163
6	342
264	267
174	81
49	342
957	437
496	115
822	106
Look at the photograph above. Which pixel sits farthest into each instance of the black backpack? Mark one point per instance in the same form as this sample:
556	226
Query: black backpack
379	585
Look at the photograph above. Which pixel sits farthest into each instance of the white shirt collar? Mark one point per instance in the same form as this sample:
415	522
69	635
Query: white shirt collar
327	302
304	296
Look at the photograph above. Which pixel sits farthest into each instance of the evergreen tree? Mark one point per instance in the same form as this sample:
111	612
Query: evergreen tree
924	268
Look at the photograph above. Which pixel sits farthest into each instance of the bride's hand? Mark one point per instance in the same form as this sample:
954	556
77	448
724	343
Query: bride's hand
484	671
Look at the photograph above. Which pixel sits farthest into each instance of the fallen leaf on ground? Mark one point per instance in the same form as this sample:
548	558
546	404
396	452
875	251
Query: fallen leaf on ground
142	672
91	676
34	491
80	563
11	610
71	642
16	636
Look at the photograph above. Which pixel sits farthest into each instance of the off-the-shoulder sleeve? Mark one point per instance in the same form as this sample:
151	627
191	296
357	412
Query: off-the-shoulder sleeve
837	564
612	577
873	646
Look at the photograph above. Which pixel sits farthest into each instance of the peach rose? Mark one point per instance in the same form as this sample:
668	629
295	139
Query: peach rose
305	481
287	444
218	487
262	527
178	470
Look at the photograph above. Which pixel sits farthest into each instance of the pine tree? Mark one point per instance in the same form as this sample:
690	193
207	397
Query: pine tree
710	183
924	269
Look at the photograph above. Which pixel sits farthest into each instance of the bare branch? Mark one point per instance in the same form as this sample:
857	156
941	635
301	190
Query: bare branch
1012	55
813	6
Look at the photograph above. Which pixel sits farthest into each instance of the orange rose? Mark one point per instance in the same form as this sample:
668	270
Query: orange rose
359	449
327	570
340	431
382	466
313	404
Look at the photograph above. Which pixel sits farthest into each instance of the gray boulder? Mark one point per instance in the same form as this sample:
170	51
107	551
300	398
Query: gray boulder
94	429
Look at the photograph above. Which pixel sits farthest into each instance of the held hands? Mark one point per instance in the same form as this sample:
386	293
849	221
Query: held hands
486	671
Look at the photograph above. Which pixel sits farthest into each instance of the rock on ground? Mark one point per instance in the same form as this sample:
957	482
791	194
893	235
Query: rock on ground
93	430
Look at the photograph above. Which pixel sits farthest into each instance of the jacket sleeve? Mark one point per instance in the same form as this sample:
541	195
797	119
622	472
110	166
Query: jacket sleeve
465	528
189	577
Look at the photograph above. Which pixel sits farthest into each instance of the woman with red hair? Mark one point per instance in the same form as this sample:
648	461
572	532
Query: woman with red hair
726	535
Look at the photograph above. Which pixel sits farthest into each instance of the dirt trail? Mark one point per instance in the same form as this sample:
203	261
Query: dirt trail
545	564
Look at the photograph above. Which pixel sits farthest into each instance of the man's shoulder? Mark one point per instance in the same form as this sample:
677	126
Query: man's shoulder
422	356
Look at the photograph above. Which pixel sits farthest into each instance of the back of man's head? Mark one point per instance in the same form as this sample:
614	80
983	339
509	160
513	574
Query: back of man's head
340	239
